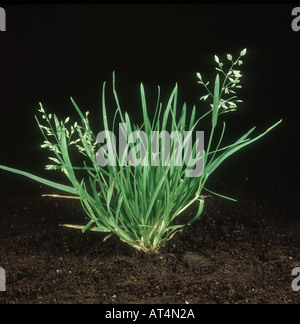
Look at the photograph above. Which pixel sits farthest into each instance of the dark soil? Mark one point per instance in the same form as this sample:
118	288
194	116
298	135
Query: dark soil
240	252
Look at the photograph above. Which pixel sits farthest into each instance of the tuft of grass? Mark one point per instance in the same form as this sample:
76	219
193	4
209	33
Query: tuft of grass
140	202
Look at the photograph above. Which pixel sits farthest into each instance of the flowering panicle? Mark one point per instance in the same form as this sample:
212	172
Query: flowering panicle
49	130
231	82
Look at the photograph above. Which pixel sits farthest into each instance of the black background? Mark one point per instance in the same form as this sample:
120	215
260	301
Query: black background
52	52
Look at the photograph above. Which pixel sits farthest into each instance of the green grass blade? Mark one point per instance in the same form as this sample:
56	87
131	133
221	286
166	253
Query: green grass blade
93	229
232	150
216	102
78	110
144	108
156	192
41	180
222	196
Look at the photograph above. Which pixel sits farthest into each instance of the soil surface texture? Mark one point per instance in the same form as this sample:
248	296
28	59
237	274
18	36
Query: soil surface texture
238	252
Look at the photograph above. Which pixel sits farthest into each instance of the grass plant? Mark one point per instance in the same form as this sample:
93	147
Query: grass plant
140	203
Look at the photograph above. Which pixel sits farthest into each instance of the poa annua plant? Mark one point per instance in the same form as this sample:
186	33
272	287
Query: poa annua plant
139	204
